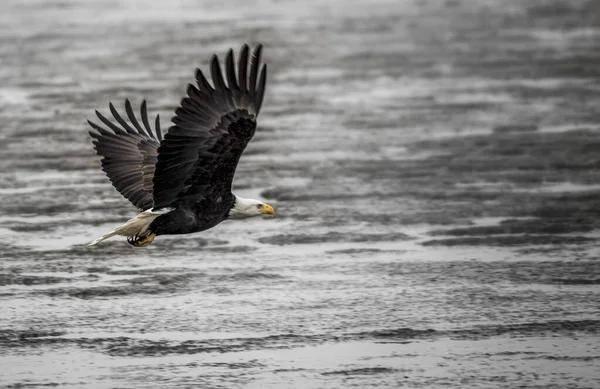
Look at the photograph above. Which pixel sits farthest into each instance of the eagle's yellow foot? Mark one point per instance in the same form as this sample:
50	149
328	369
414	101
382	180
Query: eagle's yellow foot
138	241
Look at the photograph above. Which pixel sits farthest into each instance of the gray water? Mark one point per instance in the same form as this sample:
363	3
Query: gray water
434	165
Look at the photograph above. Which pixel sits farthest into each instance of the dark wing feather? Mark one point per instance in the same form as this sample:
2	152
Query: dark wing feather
200	152
129	154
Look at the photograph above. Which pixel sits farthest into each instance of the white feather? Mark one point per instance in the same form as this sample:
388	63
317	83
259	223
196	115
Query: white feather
136	226
244	208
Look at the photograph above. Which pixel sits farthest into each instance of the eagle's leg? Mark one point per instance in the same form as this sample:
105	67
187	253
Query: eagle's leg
141	241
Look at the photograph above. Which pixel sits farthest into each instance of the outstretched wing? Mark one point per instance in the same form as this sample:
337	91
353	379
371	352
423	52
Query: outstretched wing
200	152
129	153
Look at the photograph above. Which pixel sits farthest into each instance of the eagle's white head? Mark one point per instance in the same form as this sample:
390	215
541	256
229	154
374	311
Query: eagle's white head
249	207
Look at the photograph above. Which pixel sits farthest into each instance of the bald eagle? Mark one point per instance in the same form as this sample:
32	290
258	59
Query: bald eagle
182	182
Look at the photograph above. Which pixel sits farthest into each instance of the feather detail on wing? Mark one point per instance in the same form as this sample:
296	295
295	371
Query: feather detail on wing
129	153
200	152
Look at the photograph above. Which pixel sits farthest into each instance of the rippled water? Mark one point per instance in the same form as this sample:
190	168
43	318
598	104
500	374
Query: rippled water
435	167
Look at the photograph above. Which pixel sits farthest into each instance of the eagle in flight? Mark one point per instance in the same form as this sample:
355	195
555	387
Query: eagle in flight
182	182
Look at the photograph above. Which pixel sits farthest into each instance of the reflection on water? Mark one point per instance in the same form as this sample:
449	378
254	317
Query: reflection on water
435	170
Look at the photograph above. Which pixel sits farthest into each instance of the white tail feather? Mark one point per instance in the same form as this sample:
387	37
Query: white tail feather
134	227
103	237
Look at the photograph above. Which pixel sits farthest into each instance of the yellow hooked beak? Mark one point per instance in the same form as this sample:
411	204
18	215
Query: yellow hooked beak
267	210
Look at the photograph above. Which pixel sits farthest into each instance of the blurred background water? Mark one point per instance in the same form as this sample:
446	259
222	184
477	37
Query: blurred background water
435	166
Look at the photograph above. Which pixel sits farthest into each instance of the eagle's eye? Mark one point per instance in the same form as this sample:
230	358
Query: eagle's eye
259	206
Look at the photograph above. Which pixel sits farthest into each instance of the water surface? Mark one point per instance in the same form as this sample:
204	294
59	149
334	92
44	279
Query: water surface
435	169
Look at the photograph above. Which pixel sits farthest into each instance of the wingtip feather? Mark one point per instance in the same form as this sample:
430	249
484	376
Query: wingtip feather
243	68
217	74
133	119
262	83
254	66
203	83
230	70
120	119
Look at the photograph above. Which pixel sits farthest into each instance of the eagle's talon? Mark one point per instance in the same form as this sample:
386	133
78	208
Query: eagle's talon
138	241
